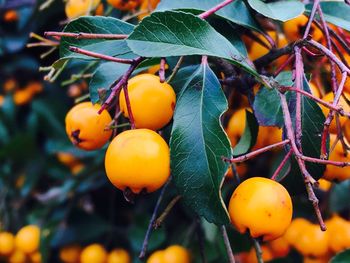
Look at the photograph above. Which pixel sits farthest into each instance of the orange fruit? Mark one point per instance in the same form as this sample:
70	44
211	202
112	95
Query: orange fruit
268	201
118	255
70	254
7	243
94	253
28	239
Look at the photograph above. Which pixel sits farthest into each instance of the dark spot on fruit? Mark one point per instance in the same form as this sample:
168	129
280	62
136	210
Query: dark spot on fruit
75	136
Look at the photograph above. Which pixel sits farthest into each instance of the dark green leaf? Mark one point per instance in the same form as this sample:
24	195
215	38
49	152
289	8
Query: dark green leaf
279	10
170	33
198	143
237	12
335	12
339	197
342	257
98	25
249	136
267	106
104	76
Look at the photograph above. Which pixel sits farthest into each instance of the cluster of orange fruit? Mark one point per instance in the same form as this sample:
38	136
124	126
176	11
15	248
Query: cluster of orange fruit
94	253
131	151
21	95
76	8
172	254
22	248
72	162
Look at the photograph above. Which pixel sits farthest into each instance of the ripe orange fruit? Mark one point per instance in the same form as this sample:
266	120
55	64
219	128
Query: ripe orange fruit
118	255
94	253
138	159
329	97
294	29
314	90
156	257
346	128
339	233
241	169
279	247
10	16
35	257
270	204
76	8
313	242
152	102
70	254
17	257
124	5
176	254
336	173
339	75
267	136
295	229
236	125
7	243
22	96
147	6
172	254
28	239
86	128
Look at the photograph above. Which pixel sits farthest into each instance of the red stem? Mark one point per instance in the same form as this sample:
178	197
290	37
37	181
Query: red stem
311	18
128	105
85	35
299	72
281	165
255	153
211	11
162	70
279	70
100	56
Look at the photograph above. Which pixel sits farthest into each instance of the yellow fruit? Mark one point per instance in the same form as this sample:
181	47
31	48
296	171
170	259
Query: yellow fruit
339	75
314	90
294	29
241	169
138	159
339	234
67	159
295	230
279	247
28	239
346	128
336	173
324	185
147	6
270	204
70	254
35	257
76	8
324	259
176	254
236	125
329	97
118	255
124	5
86	128
156	257
94	253
10	16
152	102
7	243
17	257
267	136
312	242
22	96
99	10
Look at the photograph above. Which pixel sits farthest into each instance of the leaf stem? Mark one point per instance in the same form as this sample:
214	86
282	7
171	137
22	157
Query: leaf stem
281	165
167	210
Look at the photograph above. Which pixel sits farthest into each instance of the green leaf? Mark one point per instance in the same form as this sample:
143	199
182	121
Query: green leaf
236	12
104	76
335	12
279	10
98	25
267	106
170	33
339	197
198	143
342	257
249	136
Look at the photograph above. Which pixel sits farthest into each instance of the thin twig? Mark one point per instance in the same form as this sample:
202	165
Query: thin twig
175	70
216	8
229	252
166	211
258	250
100	56
255	153
281	165
85	35
151	222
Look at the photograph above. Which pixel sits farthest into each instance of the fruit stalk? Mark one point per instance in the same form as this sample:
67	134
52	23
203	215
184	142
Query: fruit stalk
231	258
216	8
